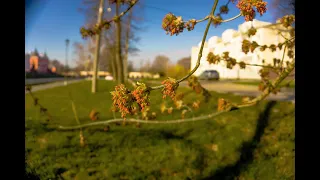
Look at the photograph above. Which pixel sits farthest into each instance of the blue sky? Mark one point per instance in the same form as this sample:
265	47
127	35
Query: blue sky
50	22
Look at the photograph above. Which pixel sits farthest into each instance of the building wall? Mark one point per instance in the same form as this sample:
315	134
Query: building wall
140	75
231	41
40	64
34	61
43	65
90	73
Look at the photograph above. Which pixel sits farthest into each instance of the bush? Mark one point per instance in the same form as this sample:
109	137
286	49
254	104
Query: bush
177	71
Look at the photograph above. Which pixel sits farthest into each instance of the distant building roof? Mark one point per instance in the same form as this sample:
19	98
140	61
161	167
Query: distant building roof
35	52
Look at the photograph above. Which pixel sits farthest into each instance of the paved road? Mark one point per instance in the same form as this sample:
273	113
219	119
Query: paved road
223	86
227	86
52	85
35	81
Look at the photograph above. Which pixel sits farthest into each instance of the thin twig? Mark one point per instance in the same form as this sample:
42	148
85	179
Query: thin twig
74	110
38	104
142	121
227	20
131	5
120	15
204	117
200	52
254	101
187	107
284	51
201	20
267	91
230	19
288	83
260	65
132	83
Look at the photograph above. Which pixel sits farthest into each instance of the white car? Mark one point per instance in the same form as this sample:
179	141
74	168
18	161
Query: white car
109	78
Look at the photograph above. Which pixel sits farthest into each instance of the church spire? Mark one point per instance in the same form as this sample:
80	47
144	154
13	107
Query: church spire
35	52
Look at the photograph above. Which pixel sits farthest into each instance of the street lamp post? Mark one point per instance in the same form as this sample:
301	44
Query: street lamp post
66	66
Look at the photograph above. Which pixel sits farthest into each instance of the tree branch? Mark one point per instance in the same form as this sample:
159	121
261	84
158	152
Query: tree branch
234	107
134	2
267	91
117	17
200	52
260	65
210	16
284	51
142	121
38	104
230	19
201	20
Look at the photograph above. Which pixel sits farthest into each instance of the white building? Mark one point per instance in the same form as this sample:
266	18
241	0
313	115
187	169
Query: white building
231	41
135	75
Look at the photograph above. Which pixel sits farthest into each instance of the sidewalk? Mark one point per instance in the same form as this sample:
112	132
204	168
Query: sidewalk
51	85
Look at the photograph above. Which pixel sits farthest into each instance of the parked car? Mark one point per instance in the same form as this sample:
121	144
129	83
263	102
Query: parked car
209	75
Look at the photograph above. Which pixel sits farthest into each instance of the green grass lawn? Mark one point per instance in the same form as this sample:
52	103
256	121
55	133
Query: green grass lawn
252	143
256	83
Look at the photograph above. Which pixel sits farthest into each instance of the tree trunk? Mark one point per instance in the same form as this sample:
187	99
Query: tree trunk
114	65
125	59
97	53
118	47
112	59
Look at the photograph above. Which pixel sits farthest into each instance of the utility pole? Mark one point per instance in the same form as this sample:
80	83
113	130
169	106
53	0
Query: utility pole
97	53
66	66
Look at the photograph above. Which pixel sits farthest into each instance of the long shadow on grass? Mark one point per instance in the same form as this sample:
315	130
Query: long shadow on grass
232	171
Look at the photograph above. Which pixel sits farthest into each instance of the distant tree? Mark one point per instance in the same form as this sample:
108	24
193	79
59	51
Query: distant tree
130	66
81	54
281	8
49	71
160	64
59	67
145	67
117	45
185	62
177	71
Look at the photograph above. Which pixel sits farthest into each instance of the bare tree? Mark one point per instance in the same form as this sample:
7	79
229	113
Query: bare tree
185	62
125	58
130	66
109	52
59	67
119	60
160	64
280	8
